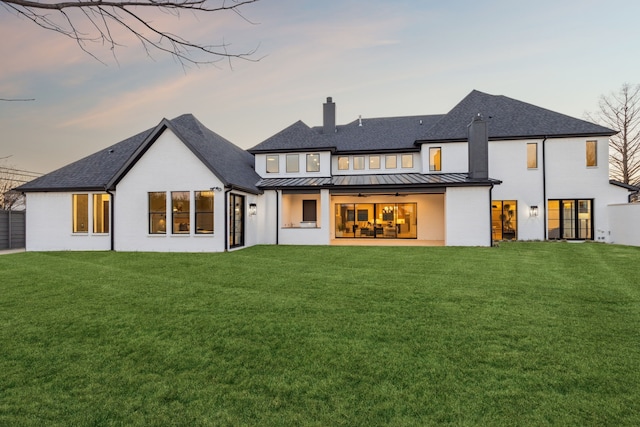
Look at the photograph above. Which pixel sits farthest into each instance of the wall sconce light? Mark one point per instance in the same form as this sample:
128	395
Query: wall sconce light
533	211
216	189
253	209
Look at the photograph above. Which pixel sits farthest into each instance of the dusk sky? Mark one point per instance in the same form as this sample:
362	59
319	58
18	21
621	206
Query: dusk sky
375	58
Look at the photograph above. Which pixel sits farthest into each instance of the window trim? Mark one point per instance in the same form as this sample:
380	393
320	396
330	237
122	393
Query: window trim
100	210
75	219
310	165
403	157
295	163
371	159
163	214
591	145
197	213
273	159
388	157
433	165
346	159
532	156
176	213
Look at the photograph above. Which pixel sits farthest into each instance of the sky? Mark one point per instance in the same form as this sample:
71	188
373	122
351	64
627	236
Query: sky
375	58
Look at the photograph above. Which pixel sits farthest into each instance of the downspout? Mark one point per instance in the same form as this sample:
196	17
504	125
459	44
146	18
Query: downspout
277	217
10	229
112	218
490	213
226	218
544	188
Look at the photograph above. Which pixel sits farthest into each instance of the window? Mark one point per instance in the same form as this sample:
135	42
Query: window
407	161
273	163
343	163
180	209
390	220
504	219
435	159
592	153
100	213
309	211
358	162
390	161
157	212
80	213
374	162
293	164
204	212
532	155
313	162
570	219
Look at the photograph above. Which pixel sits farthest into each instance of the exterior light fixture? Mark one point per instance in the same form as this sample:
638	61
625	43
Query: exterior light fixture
533	211
216	189
253	209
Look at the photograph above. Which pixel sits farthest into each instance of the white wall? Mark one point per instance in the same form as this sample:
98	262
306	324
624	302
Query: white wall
168	166
49	225
468	216
454	156
291	213
624	219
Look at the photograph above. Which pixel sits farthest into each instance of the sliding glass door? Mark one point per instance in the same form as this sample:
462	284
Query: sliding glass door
376	220
570	219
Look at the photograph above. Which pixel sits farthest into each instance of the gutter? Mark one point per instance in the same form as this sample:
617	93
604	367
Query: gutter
227	190
112	219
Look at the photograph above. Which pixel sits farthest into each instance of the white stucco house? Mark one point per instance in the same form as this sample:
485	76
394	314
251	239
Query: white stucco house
492	168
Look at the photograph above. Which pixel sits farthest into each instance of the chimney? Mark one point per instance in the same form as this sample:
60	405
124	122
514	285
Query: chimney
328	117
478	144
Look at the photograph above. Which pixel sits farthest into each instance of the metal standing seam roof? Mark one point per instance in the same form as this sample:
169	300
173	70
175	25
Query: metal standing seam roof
373	181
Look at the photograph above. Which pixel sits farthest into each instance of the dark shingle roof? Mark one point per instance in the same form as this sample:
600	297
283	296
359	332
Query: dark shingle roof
509	119
373	135
103	170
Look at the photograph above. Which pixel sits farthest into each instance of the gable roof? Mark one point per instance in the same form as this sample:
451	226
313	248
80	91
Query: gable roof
509	119
103	170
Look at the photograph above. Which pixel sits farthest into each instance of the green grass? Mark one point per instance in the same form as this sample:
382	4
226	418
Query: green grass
524	334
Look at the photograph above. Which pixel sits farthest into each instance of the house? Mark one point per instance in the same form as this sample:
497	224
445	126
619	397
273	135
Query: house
492	168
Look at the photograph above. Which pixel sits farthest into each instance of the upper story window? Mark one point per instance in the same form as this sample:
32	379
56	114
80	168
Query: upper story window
390	161
100	213
180	206
293	163
273	163
343	163
374	162
313	162
592	153
407	161
532	155
358	162
435	159
80	213
157	212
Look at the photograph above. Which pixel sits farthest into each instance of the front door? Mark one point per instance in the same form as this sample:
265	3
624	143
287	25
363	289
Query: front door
236	220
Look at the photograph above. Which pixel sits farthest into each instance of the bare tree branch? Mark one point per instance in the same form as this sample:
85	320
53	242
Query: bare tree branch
10	178
621	111
99	18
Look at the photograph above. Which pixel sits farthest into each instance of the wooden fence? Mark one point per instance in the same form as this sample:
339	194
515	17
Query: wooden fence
12	229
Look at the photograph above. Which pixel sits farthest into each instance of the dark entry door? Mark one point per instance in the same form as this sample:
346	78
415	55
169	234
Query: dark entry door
236	220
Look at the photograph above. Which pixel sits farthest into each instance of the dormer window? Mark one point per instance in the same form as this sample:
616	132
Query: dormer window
390	161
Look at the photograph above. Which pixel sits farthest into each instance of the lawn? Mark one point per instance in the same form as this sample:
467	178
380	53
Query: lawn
522	334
